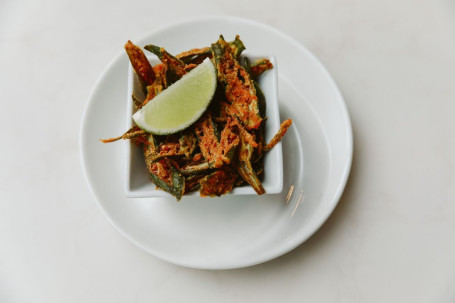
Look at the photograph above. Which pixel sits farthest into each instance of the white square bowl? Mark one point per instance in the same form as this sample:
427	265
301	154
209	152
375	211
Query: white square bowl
138	183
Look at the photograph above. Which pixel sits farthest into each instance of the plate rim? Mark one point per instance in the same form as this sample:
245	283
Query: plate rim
344	110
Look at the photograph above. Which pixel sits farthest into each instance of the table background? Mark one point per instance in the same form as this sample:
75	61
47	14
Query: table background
390	239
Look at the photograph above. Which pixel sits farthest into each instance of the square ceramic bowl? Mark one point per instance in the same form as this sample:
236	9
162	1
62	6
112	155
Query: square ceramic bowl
138	183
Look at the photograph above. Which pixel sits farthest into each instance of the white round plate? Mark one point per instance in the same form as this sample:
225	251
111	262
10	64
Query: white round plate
234	231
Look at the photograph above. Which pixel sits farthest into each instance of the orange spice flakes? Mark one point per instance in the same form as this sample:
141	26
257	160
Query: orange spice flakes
208	141
218	183
197	157
229	141
240	91
194	52
173	146
140	64
259	67
158	85
217	151
169	148
161	169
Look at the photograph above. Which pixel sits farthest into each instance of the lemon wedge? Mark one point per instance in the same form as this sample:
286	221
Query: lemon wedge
181	104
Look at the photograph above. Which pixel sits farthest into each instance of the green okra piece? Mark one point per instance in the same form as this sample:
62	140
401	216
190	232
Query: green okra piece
150	149
195	168
195	56
262	105
246	64
239	88
177	186
216	130
230	154
162	54
187	144
178	183
258	165
175	67
136	102
218	52
192	183
261	98
245	168
259	67
198	55
140	64
237	47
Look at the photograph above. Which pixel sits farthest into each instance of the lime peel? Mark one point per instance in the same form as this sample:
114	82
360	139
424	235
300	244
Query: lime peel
181	104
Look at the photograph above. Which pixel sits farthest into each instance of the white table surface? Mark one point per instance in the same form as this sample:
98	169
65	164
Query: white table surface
390	239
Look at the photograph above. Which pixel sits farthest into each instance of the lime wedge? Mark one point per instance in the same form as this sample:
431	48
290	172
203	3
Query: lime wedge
181	104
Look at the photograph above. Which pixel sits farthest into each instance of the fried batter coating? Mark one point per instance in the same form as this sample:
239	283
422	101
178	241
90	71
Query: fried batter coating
240	91
226	146
140	64
279	135
259	67
218	183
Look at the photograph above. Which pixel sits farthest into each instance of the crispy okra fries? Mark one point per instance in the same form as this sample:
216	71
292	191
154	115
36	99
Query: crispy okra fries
225	148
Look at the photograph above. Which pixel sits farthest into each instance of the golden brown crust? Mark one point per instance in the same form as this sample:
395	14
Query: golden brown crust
208	142
240	91
133	132
259	67
218	183
279	135
193	52
140	64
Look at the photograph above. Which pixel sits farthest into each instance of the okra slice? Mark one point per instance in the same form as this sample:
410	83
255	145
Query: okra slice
259	167
140	64
216	129
260	138
175	67
150	150
192	183
168	178
218	183
217	58
262	106
195	55
259	67
158	85
133	132
195	168
237	47
229	141
136	102
279	135
246	64
208	140
245	168
239	89
174	146
188	143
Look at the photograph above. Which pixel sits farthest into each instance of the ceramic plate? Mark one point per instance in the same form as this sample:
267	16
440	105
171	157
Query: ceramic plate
231	231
